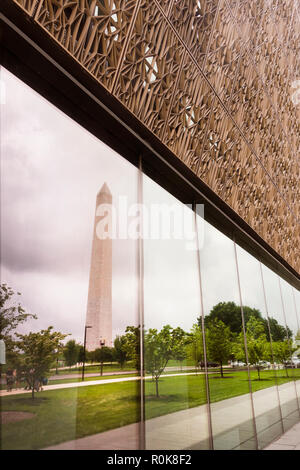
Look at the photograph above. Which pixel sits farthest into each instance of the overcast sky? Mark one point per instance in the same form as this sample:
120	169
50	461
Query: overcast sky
51	171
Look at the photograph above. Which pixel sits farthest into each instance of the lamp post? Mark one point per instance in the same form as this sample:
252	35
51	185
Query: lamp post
84	345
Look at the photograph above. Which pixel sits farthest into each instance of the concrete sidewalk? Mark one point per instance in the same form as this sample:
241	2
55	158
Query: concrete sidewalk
288	441
88	383
188	429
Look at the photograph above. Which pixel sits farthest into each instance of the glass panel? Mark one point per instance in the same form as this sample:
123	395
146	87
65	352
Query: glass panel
231	409
175	389
54	175
263	374
296	354
293	326
281	349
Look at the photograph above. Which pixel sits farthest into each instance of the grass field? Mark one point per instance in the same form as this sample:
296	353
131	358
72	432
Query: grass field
66	414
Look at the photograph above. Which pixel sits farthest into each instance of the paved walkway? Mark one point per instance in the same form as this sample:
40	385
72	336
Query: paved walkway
188	429
87	383
288	441
78	375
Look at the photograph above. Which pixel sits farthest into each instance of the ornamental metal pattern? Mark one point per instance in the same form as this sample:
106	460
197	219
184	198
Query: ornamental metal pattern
217	81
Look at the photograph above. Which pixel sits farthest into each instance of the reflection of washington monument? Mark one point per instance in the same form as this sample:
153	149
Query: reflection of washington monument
99	306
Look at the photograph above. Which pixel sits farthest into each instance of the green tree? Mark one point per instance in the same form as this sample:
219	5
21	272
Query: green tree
283	351
159	347
12	314
36	353
230	314
132	345
278	332
258	347
219	345
180	343
82	354
121	350
70	353
102	355
195	345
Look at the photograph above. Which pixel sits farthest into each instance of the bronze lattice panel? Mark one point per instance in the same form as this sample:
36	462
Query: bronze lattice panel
213	80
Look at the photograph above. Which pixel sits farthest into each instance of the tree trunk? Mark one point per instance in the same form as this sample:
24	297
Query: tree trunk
258	372
156	387
101	369
222	375
286	371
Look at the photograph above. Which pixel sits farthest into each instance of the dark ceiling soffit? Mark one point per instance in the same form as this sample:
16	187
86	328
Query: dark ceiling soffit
72	89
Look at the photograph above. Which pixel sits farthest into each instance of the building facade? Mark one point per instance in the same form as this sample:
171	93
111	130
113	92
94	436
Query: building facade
176	105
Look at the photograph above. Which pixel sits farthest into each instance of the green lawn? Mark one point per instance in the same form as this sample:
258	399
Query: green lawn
66	414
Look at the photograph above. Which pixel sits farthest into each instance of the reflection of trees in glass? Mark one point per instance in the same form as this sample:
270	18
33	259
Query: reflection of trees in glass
195	346
127	347
71	352
36	354
159	347
230	314
278	332
120	350
283	351
12	314
219	344
180	346
257	345
132	344
101	355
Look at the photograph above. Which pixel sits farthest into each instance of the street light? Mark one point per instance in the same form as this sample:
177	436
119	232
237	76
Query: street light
84	344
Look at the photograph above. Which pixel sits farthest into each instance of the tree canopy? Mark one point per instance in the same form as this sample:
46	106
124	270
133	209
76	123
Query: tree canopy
258	348
219	345
159	348
71	353
104	354
230	314
195	349
37	352
12	314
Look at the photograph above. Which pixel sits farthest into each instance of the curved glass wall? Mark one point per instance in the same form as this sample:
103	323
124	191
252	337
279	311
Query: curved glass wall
282	339
293	326
175	389
296	353
60	195
260	352
228	378
127	321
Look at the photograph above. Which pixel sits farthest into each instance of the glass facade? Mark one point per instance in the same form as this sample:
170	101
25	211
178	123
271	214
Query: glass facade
127	320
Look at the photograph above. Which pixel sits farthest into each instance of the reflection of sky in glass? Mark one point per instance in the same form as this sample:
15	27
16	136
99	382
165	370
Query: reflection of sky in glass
171	282
289	306
273	297
297	305
250	281
51	171
218	269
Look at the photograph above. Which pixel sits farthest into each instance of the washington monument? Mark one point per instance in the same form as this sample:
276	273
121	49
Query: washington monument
99	305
